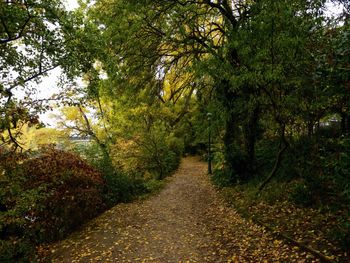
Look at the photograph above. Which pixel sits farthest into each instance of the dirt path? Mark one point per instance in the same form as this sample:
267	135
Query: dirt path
186	222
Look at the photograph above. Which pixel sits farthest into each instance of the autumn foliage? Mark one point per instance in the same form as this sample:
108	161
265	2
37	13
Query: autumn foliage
43	196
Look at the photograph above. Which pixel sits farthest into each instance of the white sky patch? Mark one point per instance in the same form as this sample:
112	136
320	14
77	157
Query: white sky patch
48	87
71	4
333	10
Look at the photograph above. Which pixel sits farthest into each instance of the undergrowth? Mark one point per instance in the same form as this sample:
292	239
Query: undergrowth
308	199
45	195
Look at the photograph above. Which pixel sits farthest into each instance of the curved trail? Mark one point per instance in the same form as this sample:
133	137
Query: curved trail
186	222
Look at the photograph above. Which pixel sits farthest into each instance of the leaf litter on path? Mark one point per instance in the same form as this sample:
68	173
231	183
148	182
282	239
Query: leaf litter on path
186	222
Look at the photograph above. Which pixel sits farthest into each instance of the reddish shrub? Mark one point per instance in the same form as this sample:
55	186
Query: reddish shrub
70	190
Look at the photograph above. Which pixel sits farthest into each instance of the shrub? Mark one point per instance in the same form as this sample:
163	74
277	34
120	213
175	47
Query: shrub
160	152
239	170
223	178
300	194
155	151
122	187
45	197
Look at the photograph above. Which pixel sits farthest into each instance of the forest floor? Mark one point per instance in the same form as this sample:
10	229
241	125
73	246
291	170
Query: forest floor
187	221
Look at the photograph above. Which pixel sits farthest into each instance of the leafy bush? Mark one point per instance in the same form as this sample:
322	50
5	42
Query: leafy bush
239	170
92	153
315	174
153	185
43	197
223	178
341	234
160	152
154	152
122	187
300	194
323	169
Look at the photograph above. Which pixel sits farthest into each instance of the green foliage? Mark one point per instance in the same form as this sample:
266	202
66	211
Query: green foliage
223	178
50	192
340	234
313	175
301	194
239	171
119	186
317	169
153	185
92	153
323	171
16	250
268	72
160	152
122	187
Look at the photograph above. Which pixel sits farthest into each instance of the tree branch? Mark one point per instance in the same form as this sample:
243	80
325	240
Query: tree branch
41	72
225	10
20	34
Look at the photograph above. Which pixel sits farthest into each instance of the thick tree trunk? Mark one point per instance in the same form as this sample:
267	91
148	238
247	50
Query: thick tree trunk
229	144
251	133
227	97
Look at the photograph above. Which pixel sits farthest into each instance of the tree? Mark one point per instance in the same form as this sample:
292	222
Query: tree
36	36
153	45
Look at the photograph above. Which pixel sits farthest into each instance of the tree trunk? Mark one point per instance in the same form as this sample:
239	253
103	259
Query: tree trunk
229	145
282	147
310	128
251	133
345	123
103	146
227	97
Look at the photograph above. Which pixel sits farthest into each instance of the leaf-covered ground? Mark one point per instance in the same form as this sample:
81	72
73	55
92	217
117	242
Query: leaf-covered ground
306	225
186	222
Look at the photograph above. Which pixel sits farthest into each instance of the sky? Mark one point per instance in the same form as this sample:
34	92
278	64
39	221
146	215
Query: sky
48	86
71	4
